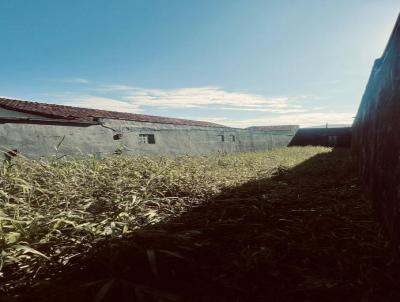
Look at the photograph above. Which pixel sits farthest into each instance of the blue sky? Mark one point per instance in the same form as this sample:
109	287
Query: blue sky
238	63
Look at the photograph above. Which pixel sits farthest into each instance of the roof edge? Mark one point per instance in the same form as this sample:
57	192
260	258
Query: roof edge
140	118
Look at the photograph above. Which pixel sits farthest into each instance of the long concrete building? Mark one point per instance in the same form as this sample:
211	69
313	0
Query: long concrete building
44	130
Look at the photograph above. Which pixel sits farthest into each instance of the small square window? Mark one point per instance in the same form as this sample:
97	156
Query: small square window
221	137
117	136
147	139
332	140
233	138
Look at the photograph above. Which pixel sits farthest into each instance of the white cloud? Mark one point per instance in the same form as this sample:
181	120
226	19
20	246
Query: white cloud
108	88
95	102
294	109
218	120
197	97
304	119
278	109
75	81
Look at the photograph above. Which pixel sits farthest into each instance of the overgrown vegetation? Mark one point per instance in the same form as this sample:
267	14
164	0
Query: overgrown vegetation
52	211
284	224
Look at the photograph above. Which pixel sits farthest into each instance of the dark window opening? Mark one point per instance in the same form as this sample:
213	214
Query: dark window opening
118	151
332	140
147	139
221	137
10	154
117	136
233	138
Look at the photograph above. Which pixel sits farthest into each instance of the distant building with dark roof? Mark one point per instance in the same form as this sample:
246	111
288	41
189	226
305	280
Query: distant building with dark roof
276	129
328	137
35	129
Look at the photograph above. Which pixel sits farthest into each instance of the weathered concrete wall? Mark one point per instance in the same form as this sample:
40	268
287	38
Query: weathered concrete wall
36	141
376	137
328	137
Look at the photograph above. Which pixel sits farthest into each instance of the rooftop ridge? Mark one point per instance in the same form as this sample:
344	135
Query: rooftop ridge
89	114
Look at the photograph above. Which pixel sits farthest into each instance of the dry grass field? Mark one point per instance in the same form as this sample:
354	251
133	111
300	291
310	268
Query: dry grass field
283	225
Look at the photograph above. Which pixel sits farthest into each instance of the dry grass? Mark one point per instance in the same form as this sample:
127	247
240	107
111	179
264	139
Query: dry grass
285	225
51	212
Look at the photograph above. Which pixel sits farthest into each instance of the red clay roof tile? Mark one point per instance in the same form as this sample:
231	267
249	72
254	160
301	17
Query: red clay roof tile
88	115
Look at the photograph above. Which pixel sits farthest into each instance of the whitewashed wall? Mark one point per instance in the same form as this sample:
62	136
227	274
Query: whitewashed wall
36	141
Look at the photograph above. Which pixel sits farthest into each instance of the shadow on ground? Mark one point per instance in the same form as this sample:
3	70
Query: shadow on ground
304	234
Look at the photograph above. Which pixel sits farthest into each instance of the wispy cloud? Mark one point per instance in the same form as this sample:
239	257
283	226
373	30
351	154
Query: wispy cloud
95	102
198	97
75	81
304	119
276	110
292	109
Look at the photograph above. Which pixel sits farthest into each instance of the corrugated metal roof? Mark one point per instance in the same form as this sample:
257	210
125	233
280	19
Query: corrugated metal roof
90	115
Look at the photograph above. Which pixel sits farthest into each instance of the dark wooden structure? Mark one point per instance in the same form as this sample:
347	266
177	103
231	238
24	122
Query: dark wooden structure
376	137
